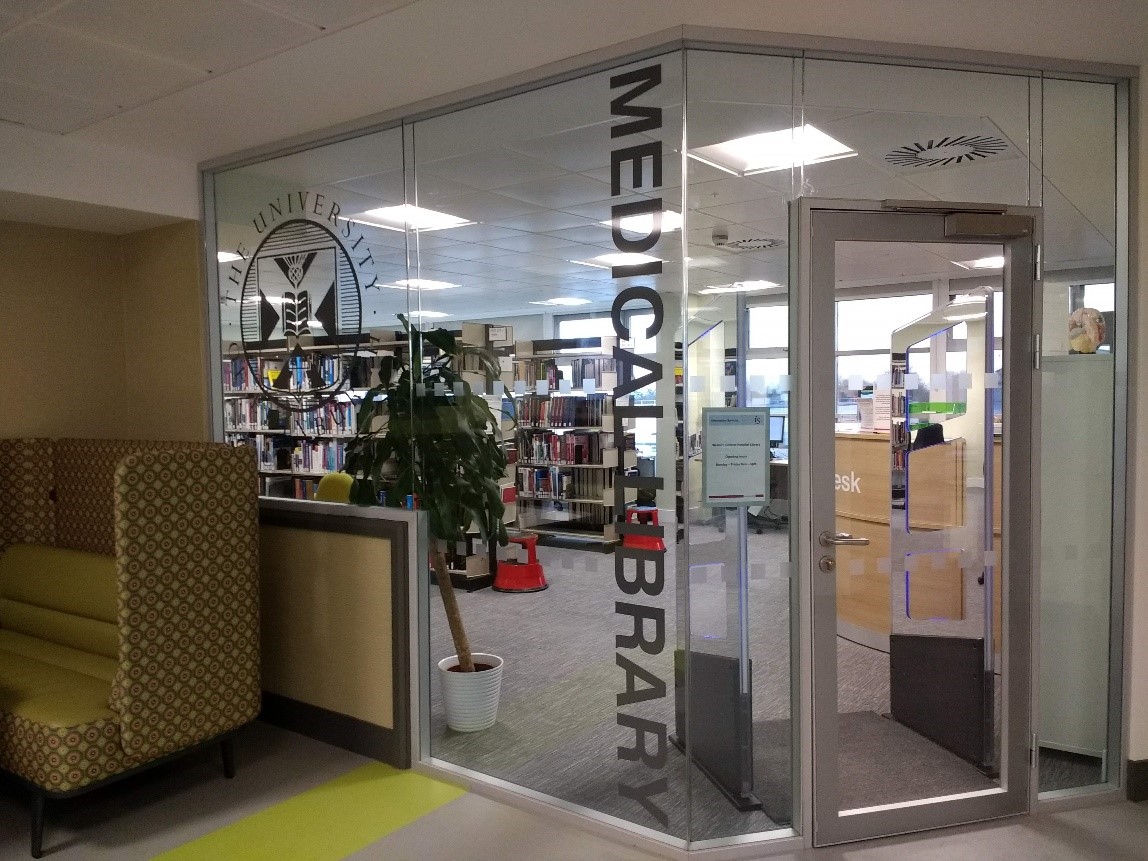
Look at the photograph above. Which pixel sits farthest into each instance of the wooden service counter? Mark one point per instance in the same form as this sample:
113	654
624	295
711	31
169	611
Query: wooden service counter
937	501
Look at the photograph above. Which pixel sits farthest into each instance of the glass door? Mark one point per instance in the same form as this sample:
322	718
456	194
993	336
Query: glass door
918	385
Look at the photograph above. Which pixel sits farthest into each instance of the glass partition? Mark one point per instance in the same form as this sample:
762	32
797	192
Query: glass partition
618	243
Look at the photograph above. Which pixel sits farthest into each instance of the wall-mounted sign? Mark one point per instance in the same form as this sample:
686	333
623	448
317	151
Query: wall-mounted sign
735	456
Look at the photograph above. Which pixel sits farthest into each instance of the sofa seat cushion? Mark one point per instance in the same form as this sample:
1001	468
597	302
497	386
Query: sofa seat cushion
66	597
56	729
47	694
96	666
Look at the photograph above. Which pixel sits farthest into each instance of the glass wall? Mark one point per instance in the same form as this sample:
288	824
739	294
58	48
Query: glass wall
618	244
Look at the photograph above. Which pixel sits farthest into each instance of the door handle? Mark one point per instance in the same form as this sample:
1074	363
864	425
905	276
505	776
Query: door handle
832	539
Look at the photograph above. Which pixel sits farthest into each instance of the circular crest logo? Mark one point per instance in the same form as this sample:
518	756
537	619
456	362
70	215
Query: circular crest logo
301	314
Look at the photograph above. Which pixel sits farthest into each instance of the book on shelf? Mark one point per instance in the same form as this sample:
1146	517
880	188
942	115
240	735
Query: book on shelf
559	411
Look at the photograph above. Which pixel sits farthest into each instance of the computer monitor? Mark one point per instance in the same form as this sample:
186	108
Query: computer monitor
777	435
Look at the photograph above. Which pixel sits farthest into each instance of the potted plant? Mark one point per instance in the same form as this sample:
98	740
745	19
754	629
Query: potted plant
422	434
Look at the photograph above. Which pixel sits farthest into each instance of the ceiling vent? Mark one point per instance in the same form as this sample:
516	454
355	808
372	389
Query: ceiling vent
947	151
721	239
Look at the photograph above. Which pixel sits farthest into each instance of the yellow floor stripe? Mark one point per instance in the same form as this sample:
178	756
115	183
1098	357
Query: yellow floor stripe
326	823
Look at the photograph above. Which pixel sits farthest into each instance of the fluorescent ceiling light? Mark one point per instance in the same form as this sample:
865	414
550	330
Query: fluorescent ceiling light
739	287
422	284
768	151
996	262
644	224
227	256
414	217
563	300
606	261
429	315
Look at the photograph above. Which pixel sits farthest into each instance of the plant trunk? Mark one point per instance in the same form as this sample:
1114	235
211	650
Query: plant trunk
453	616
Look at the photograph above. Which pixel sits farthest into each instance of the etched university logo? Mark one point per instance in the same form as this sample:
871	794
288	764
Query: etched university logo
300	299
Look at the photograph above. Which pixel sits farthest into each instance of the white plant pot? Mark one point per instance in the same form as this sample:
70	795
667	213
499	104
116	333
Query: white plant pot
471	698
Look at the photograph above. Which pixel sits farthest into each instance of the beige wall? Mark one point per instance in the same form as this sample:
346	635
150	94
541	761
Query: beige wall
61	351
164	334
326	608
101	335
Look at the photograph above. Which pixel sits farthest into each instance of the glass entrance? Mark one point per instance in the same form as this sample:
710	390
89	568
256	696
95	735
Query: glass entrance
919	433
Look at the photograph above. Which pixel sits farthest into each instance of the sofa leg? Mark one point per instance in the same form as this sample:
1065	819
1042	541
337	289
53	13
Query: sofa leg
37	824
227	748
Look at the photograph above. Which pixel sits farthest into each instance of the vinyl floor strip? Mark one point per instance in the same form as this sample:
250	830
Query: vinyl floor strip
326	823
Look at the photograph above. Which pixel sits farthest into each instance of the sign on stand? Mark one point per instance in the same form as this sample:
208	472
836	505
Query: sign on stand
735	456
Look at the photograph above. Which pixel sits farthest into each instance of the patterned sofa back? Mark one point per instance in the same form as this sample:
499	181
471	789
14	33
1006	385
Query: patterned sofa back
59	492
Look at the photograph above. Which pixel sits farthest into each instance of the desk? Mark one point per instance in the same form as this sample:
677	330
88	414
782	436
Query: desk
937	494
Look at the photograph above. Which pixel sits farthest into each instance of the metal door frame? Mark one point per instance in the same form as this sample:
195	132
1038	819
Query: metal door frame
812	304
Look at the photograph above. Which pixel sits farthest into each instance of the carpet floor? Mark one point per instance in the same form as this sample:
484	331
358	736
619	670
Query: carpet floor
557	731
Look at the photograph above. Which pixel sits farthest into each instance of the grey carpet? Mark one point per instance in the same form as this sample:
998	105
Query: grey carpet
880	761
1062	770
556	731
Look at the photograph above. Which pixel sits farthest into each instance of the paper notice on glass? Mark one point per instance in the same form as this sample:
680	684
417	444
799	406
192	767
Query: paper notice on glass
735	456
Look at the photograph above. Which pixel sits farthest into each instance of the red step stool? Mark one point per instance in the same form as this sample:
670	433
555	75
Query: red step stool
649	517
521	576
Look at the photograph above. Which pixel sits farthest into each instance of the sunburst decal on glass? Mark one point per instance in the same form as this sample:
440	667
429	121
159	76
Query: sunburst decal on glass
950	150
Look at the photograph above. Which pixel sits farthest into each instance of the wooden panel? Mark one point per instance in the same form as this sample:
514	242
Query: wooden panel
936	481
326	608
936	586
862	582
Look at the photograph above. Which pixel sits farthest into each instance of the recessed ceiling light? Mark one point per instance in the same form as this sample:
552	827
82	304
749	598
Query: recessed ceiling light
996	262
429	315
739	287
422	284
606	261
768	151
409	216
644	224
227	256
566	301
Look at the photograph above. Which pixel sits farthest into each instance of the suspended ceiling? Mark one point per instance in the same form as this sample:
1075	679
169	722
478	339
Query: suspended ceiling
535	179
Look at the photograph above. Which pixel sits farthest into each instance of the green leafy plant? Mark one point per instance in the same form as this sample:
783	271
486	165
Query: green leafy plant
422	432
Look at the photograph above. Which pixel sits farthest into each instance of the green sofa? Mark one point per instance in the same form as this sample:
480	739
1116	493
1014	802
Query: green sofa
129	616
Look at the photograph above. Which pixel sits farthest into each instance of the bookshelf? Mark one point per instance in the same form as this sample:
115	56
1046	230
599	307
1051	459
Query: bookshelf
294	448
568	454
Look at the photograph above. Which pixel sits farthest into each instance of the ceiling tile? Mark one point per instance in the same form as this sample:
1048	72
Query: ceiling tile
63	62
545	220
47	111
335	13
708	195
484	206
212	36
489	169
533	242
575	150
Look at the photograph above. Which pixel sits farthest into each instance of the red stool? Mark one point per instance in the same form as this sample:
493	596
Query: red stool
521	576
649	517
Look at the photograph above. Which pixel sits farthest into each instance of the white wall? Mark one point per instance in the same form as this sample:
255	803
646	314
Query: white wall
439	46
74	169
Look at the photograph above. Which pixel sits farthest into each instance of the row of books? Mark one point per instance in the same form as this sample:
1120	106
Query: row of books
306	372
541	482
319	456
564	410
569	448
253	414
281	454
530	371
604	372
